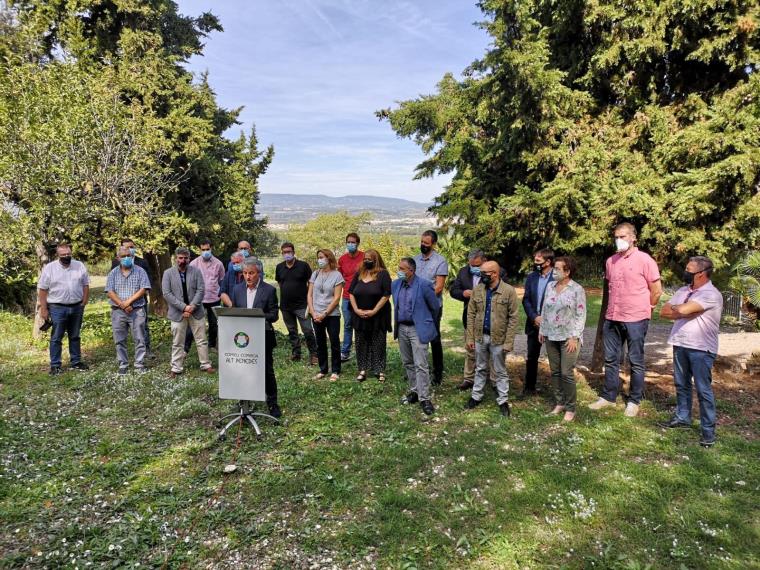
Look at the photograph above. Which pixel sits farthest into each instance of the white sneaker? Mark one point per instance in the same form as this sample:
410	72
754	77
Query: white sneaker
631	410
600	403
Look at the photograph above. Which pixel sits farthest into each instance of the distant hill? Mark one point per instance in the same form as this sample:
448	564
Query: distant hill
285	209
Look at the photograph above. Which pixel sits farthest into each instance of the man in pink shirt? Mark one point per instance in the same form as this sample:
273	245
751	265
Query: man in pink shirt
213	273
635	288
348	264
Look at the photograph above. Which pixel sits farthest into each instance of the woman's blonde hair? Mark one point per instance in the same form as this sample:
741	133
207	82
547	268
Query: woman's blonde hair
331	262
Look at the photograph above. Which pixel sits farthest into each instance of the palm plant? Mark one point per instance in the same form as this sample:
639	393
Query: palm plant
747	278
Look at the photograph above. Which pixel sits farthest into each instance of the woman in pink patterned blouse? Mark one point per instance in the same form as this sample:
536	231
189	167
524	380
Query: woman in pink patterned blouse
563	318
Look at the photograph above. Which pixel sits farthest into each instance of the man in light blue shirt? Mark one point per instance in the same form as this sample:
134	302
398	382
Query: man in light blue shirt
433	267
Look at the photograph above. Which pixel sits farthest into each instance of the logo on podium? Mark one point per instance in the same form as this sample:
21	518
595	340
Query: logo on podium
241	340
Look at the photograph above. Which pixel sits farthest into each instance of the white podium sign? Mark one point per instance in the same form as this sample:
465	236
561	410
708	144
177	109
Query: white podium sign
242	352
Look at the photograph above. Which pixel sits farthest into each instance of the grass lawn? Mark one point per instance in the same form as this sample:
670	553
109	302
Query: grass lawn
98	470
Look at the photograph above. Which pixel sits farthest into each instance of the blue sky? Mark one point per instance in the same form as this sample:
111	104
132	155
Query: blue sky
311	73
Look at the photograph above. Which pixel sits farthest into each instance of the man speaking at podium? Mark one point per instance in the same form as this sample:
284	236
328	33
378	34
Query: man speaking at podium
254	293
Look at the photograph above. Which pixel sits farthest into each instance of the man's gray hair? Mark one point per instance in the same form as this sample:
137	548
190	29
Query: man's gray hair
237	254
475	253
255	262
704	263
181	250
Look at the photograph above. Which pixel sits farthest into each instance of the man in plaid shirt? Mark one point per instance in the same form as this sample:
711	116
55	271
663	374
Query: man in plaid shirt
127	286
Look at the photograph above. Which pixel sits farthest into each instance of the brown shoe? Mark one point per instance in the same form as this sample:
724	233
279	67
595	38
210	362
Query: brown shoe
210	370
465	385
313	360
173	374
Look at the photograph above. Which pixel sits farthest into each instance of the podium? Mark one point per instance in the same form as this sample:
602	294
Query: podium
242	364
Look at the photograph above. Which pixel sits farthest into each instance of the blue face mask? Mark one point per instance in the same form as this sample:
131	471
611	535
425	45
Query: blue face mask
237	267
246	253
288	256
127	262
132	251
322	262
401	275
351	247
206	254
474	270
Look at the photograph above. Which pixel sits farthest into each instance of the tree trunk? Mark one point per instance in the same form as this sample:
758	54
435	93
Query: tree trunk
157	264
597	359
43	258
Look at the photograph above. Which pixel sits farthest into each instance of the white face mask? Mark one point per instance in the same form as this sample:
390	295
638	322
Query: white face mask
322	261
621	244
558	274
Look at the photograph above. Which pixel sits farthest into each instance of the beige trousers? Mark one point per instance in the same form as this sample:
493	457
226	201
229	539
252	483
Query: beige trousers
179	330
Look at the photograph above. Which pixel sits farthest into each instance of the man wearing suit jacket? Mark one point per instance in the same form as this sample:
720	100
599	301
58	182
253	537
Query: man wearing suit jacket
533	300
414	308
254	293
183	290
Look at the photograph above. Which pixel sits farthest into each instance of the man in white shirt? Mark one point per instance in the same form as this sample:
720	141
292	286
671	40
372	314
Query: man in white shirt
63	290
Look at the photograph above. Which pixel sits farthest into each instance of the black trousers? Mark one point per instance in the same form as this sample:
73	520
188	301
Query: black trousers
437	348
330	326
212	327
270	381
292	318
531	360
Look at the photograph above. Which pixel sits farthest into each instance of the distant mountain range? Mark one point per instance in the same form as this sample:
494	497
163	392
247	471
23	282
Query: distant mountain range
284	209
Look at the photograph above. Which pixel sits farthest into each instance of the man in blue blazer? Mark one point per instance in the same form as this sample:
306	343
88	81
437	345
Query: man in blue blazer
533	300
414	307
254	293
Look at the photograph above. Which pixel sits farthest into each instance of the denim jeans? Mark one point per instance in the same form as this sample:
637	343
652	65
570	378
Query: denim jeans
690	363
66	320
348	331
615	334
491	354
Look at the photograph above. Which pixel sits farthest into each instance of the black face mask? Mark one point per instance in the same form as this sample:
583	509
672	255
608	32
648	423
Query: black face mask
486	279
425	249
65	260
688	277
369	263
538	266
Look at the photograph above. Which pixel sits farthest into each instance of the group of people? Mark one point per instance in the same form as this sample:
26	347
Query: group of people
358	286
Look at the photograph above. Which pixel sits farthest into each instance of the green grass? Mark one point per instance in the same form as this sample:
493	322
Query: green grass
117	471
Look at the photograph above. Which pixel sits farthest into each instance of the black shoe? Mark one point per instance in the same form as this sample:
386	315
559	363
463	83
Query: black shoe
274	410
55	370
295	358
410	398
674	423
528	393
437	380
471	404
706	442
504	409
345	357
427	407
465	385
80	366
123	371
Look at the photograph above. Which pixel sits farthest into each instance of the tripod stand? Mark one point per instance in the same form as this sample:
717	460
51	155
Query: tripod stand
245	414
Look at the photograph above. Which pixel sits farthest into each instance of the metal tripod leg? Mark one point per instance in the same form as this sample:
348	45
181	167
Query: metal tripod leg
232	422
